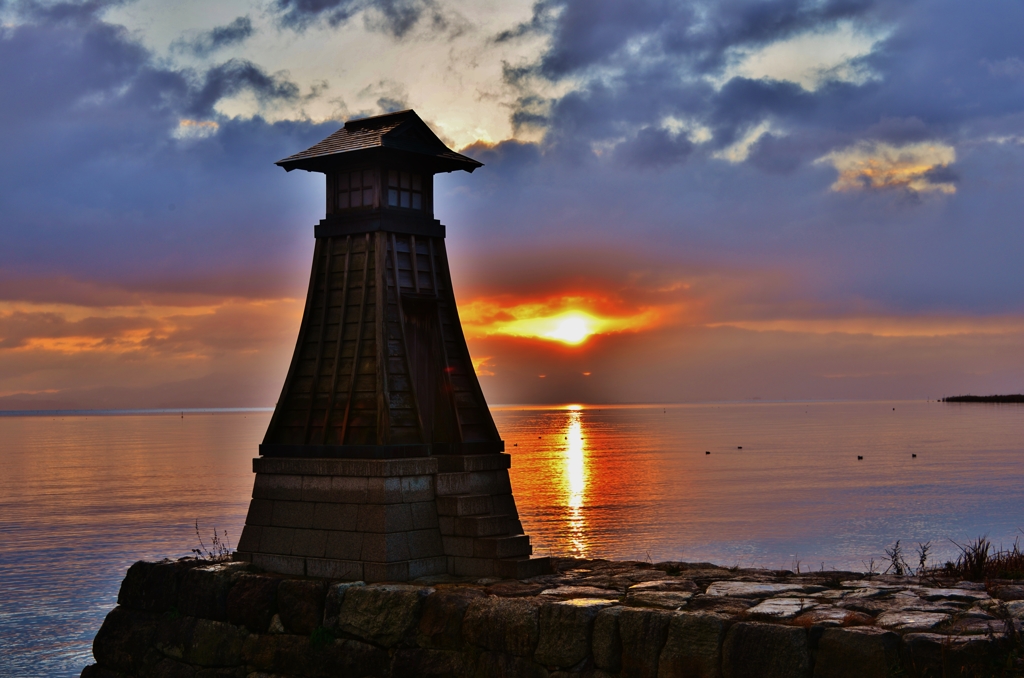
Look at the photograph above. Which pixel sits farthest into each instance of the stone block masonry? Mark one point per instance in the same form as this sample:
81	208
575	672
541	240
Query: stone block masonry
386	520
588	619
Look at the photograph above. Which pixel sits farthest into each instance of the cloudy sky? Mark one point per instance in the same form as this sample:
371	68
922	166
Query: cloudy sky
717	200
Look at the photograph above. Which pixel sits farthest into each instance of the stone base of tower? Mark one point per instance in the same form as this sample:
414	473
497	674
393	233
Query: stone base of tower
387	520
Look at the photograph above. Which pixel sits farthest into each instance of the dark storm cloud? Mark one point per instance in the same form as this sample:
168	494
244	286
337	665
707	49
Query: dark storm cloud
118	169
654	147
588	33
634	73
208	42
394	17
238	75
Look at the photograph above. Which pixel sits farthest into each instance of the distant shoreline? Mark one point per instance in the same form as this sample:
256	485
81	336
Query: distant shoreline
123	412
1015	398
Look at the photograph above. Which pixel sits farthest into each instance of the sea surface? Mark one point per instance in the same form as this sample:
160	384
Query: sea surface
84	495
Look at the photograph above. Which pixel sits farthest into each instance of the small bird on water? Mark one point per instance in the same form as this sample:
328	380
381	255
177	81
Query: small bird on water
859	457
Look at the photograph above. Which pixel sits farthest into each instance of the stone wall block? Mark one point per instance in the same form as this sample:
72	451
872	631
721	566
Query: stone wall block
693	648
293	514
505	504
430	663
333	601
753	650
330	516
465	505
385	572
471	567
607	641
252	601
423	567
860	652
1008	592
250	539
292	565
440	625
317	488
566	629
285	654
349	490
458	546
384	518
385	548
452	483
424	544
260	512
267	486
344	545
300	604
643	633
153	586
277	540
384	490
507	625
215	644
932	654
310	543
169	668
203	591
123	638
501	665
383	614
502	483
328	568
424	515
417	489
173	636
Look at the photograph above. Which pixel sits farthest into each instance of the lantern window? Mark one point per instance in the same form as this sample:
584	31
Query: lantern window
405	189
355	189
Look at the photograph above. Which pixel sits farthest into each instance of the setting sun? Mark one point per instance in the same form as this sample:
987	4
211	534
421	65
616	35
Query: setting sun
559	319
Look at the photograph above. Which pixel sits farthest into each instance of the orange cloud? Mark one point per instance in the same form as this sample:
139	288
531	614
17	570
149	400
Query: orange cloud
886	326
568	319
878	165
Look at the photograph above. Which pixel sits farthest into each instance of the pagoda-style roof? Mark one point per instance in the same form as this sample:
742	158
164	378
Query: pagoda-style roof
403	132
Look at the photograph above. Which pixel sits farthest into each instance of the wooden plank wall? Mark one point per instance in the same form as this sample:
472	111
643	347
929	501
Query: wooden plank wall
349	380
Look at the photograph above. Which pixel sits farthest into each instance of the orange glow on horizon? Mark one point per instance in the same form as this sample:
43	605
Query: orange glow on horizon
569	320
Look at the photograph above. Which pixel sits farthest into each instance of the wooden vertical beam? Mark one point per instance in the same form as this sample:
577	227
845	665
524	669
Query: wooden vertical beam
359	342
415	270
405	343
320	342
338	343
381	330
433	265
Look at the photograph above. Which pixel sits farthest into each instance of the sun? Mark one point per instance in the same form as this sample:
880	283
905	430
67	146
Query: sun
572	328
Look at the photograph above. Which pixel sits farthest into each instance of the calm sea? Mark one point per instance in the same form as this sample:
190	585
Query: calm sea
84	496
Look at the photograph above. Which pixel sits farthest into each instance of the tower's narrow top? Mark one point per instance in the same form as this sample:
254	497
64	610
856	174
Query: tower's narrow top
402	132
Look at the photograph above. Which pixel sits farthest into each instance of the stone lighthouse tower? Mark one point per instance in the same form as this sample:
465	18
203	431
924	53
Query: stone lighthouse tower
382	461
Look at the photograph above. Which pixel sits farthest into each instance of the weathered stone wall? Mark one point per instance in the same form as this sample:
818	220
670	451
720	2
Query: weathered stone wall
594	619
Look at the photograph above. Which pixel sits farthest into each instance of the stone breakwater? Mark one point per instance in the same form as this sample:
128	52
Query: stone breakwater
592	619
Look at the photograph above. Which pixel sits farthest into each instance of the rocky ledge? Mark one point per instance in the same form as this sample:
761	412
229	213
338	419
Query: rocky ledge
592	619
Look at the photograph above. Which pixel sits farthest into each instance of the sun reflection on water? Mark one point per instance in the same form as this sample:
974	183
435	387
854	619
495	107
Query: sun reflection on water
576	481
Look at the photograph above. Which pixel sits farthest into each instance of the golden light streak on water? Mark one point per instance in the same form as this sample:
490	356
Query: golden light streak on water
576	481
